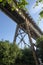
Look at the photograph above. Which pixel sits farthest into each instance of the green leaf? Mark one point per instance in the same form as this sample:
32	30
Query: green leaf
40	0
1	0
41	14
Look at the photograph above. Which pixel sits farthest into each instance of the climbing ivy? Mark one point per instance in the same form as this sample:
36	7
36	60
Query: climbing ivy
20	3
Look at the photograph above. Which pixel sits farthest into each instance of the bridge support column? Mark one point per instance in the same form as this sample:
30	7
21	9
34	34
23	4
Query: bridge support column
20	35
32	46
16	34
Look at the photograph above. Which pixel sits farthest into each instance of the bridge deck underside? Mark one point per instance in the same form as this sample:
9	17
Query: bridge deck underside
19	20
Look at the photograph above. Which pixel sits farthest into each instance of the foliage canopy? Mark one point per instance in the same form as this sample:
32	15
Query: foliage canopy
10	54
40	47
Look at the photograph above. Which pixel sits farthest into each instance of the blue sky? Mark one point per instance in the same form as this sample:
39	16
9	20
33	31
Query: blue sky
8	26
